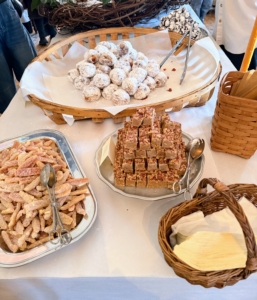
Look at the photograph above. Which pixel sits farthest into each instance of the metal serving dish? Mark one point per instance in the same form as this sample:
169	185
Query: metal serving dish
9	259
105	173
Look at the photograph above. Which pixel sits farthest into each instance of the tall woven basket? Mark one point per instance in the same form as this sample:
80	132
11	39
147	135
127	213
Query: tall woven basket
223	196
234	125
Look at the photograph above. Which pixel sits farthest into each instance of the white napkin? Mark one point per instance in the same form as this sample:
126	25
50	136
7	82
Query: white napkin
221	221
213	251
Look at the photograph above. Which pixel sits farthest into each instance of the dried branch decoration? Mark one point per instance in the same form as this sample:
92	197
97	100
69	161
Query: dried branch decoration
99	15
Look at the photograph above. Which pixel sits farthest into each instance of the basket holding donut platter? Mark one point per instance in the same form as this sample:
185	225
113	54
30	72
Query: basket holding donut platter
170	95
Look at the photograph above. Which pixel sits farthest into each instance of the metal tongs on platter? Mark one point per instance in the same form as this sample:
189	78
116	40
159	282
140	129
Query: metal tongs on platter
48	179
173	50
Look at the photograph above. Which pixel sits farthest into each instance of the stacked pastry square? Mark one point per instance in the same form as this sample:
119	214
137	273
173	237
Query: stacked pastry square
117	72
149	151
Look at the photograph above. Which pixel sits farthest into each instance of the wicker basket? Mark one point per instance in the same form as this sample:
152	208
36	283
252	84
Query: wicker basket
54	111
174	37
234	125
115	14
223	196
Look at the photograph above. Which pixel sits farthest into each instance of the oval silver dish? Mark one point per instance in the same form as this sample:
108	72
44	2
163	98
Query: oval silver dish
105	173
9	259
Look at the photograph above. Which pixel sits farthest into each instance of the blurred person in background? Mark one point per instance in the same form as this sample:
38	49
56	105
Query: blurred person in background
16	51
201	7
41	23
25	20
234	20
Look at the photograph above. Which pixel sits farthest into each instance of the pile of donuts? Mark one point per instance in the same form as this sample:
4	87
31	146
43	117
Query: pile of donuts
116	72
180	21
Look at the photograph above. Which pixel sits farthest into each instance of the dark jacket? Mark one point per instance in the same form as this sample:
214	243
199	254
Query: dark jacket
32	14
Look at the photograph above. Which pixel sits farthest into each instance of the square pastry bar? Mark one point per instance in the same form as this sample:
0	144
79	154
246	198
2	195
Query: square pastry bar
150	151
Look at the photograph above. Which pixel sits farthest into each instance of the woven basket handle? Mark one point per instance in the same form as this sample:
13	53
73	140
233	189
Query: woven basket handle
251	263
236	74
223	79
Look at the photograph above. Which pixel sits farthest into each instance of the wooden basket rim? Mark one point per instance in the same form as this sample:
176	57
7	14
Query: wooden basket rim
62	108
244	100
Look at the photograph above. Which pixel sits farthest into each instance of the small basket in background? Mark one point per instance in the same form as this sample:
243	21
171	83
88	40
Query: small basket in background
174	37
223	196
234	124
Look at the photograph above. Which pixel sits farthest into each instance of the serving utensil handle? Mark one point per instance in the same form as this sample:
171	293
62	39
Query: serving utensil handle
187	55
178	43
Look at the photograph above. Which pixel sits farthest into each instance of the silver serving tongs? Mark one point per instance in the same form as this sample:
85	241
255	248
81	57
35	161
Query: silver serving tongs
173	50
187	55
48	179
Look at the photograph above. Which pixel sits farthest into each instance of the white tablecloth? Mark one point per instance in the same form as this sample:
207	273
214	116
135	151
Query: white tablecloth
119	258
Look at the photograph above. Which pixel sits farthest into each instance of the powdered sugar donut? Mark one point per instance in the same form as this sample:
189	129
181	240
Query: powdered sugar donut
130	85
108	45
150	82
123	65
120	97
109	90
133	54
124	47
101	49
103	69
141	56
139	64
117	75
139	74
101	80
126	58
79	63
107	58
73	74
91	56
91	93
142	92
160	79
115	52
80	82
86	69
152	68
152	61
